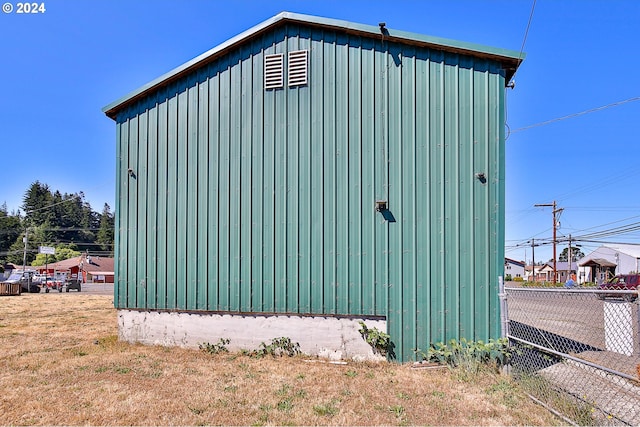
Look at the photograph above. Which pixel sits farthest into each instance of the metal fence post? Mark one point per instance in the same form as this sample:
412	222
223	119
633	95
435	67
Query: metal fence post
504	315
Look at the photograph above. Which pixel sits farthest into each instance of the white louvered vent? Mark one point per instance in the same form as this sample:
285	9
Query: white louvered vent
298	68
274	71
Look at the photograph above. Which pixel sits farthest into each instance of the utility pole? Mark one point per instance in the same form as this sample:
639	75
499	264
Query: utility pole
533	259
555	228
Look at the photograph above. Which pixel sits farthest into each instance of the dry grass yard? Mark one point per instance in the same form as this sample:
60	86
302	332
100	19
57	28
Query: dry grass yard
63	365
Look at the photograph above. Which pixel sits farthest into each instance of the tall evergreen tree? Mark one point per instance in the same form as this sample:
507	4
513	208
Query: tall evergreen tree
10	230
107	229
36	203
53	219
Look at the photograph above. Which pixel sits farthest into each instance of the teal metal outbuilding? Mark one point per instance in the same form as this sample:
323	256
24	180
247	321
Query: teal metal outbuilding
317	167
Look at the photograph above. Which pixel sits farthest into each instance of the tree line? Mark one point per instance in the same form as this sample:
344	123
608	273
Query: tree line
50	218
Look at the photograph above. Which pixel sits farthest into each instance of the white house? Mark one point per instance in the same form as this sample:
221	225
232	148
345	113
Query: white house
609	260
513	268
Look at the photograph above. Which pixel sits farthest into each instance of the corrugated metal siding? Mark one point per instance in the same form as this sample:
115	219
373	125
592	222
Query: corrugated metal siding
247	200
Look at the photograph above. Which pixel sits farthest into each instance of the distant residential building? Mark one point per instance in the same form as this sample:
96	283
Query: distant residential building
565	271
543	273
533	273
90	269
607	261
513	268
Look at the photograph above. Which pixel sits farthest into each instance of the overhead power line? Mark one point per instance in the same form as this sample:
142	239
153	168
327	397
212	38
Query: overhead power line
71	199
581	113
526	32
594	236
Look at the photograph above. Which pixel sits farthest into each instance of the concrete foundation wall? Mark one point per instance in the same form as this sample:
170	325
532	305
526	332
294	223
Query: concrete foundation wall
330	337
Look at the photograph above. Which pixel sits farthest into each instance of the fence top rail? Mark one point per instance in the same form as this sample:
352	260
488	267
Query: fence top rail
573	290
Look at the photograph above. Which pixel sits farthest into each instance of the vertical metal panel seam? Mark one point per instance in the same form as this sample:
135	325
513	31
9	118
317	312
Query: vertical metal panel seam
236	300
213	230
172	114
414	143
249	281
127	219
400	286
117	220
152	266
385	144
457	186
346	166
273	202
182	196
133	206
193	190
428	280
372	177
257	144
298	201
500	188
229	178
287	119
206	159
441	191
143	139
472	188
361	248
309	172
334	173
219	142
321	172
486	207
161	263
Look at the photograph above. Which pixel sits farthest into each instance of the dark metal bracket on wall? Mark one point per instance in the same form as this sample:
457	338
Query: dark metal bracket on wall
382	207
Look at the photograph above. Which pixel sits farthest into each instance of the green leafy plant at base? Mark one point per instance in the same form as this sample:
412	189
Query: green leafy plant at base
219	347
470	355
378	340
282	346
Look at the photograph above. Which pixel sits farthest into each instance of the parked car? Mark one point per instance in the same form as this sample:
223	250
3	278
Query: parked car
74	284
50	283
620	282
38	278
25	278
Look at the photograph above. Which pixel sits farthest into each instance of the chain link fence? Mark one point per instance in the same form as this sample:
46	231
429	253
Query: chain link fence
577	351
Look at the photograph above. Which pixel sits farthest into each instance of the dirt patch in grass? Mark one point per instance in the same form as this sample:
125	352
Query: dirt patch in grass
62	364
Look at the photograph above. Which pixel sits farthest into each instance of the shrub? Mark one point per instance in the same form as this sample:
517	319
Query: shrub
219	347
379	341
470	355
282	346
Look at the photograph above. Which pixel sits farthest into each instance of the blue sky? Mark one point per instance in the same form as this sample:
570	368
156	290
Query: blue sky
59	68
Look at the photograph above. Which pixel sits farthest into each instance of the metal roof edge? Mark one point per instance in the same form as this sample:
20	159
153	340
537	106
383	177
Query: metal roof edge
472	48
505	56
